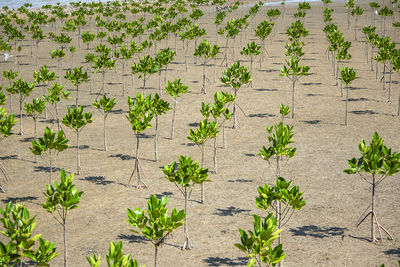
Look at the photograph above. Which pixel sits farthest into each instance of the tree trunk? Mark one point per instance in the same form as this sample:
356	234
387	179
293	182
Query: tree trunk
384	77
51	166
155	255
215	154
102	87
139	182
215	71
293	94
156	141
77	96
203	90
21	100
123	83
186	51
58	119
202	164
251	70
165	74
373	210
105	133
65	237
37	52
186	244
78	164
223	135
144	84
347	100
34	134
173	120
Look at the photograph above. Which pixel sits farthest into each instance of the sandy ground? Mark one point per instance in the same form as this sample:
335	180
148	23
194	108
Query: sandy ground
323	233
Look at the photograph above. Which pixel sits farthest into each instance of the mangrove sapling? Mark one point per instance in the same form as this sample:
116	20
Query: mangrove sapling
374	10
163	58
34	109
145	68
115	257
206	51
102	63
384	12
158	106
294	71
357	11
43	77
10	76
18	229
216	110
140	116
104	105
175	89
342	55
376	163
37	35
347	75
282	199
236	76
384	55
56	93
272	15
251	51
125	54
77	120
87	38
24	89
6	124
157	225
49	146
205	132
263	30
59	54
349	5
76	77
60	199
368	30
185	175
257	244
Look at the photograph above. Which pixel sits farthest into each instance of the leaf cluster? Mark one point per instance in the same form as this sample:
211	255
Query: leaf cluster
236	76
76	119
50	141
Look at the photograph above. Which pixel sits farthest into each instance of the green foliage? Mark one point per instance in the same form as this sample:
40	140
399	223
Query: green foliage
18	228
50	141
281	136
251	50
257	244
6	123
376	159
76	119
156	225
357	11
56	93
44	253
104	104
35	108
218	107
77	76
236	76
146	66
140	114
284	110
291	198
293	70
206	131
159	106
206	50
22	87
44	76
294	48
296	31
185	173
164	57
347	75
176	88
264	29
62	196
115	257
